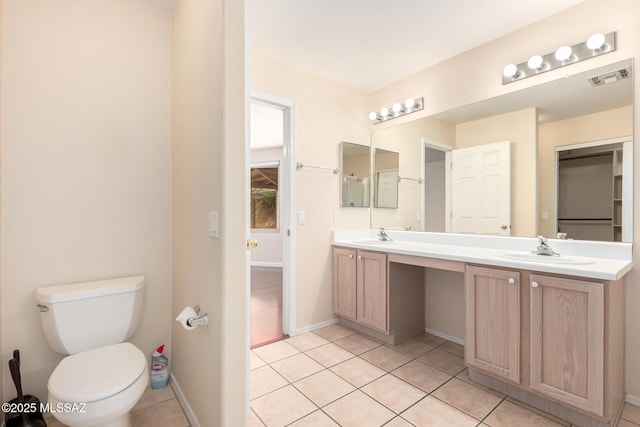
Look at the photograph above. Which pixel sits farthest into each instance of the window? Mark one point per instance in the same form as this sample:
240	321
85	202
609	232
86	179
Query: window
264	197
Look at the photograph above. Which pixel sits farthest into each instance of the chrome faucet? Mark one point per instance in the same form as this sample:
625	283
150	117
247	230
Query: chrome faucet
383	235
544	248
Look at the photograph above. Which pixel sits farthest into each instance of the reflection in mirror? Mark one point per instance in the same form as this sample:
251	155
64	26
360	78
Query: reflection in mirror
386	164
537	120
356	175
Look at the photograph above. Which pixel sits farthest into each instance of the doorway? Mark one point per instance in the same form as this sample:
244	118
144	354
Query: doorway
271	267
436	161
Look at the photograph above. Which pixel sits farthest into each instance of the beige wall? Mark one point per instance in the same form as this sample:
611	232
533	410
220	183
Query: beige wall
209	174
1	61
85	163
475	75
593	127
327	112
520	128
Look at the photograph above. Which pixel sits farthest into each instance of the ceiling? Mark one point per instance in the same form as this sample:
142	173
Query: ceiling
370	44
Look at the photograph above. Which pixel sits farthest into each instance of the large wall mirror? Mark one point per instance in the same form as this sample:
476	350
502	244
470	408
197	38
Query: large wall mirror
355	167
593	108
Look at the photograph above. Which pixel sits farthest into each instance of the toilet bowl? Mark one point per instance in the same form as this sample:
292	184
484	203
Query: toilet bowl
98	387
103	376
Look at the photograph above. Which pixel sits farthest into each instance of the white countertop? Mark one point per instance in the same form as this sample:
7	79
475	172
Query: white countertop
602	260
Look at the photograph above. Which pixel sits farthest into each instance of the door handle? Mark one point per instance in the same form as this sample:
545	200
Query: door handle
252	243
503	226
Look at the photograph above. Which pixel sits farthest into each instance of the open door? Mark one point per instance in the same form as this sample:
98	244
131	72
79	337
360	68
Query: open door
481	189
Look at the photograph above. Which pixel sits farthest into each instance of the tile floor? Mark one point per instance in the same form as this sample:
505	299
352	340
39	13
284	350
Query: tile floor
156	408
334	376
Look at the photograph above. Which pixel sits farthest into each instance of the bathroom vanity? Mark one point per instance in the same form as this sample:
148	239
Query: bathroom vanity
546	330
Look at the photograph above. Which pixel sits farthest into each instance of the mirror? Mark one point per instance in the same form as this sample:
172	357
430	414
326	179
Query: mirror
385	167
596	105
355	167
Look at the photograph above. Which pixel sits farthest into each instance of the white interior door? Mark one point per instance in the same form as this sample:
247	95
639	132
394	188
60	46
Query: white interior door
481	189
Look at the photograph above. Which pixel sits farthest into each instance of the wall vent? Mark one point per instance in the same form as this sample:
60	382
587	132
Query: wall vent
610	77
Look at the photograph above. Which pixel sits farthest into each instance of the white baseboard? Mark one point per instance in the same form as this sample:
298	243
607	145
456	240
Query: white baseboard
191	416
320	325
634	400
266	264
444	336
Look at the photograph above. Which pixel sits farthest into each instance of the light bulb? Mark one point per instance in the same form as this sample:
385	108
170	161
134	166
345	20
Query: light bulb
397	108
535	62
409	103
384	112
596	41
563	53
373	116
510	71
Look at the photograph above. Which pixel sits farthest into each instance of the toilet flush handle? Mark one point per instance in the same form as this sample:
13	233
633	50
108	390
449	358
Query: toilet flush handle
43	308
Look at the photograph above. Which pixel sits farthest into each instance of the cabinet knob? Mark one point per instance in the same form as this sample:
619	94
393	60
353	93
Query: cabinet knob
359	256
512	281
350	255
534	284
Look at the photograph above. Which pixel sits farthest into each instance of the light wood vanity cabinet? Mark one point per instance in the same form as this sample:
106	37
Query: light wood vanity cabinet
360	287
551	336
567	341
492	341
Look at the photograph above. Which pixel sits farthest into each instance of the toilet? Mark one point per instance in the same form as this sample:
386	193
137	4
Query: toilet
103	376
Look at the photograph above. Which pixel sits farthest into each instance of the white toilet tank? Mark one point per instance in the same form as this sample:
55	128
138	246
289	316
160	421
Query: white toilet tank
83	316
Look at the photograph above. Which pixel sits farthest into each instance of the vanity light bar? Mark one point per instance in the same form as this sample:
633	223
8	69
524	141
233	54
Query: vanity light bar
410	105
597	44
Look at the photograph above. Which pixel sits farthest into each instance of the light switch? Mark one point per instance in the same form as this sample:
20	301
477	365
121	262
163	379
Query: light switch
397	215
336	216
545	216
213	224
302	217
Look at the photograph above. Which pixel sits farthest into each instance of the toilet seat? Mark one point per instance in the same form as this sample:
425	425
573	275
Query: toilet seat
97	374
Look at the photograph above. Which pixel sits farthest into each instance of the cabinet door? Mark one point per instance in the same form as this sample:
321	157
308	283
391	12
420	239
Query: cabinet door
372	290
492	341
567	341
344	282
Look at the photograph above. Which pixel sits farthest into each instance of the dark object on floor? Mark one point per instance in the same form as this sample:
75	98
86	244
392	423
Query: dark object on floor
24	410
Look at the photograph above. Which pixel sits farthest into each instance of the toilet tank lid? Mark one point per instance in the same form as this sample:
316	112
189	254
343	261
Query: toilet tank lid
76	291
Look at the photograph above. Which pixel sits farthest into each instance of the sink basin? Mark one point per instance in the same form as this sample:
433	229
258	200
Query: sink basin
562	259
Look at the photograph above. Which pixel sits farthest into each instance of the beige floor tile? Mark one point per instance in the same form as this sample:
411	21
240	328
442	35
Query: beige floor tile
358	410
386	358
431	412
264	380
297	367
358	371
398	422
164	414
255	361
453	348
357	344
153	396
631	413
276	351
464	376
253	420
393	393
467	398
413	347
324	387
282	407
450	363
621	423
508	414
432	340
422	376
307	341
333	332
539	412
315	419
329	354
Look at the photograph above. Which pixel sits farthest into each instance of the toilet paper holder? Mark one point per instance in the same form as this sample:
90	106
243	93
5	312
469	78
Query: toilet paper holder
198	320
